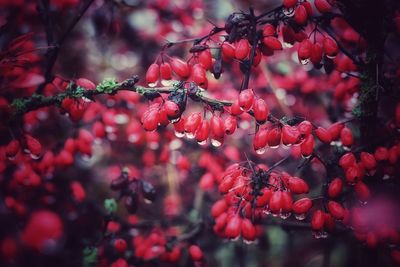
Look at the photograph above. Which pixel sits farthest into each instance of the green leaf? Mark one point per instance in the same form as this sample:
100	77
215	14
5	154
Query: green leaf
89	256
108	86
110	205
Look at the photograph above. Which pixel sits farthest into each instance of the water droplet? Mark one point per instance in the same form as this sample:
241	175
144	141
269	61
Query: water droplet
33	156
249	242
175	120
287	45
363	202
153	84
216	143
306	157
235	239
324	234
167	82
288	12
190	135
274	147
179	134
317	234
284	215
260	151
202	143
300	217
133	138
304	61
10	157
331	57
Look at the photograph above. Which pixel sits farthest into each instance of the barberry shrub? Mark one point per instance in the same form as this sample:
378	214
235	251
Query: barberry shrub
199	133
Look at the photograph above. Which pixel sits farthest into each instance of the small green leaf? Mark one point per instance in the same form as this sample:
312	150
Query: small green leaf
108	86
89	256
110	205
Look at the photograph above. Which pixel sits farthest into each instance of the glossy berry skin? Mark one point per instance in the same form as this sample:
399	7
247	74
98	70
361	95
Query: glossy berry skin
180	68
120	245
246	99
260	140
307	146
289	3
33	145
347	160
335	188
323	135
346	136
362	191
12	149
261	110
242	49
322	6
203	131
233	227
195	253
330	47
248	230
85	83
274	137
305	49
290	135
368	160
272	43
300	15
230	125
336	210
199	74
217	126
153	74
316	54
302	206
317	220
165	71
193	122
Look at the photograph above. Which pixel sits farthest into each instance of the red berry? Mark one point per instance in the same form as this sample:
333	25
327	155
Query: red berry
120	245
180	68
202	132
195	253
33	146
261	110
246	99
335	187
192	123
290	135
336	210
230	125
233	227
85	83
242	49
335	130
153	74
199	74
272	43
322	6
248	230
260	141
228	50
316	54
305	49
165	71
362	191
323	135
289	3
218	208
172	109
300	15
302	205
317	221
330	47
12	149
368	160
381	154
347	160
307	146
217	126
346	136
297	185
274	137
268	30
305	128
205	59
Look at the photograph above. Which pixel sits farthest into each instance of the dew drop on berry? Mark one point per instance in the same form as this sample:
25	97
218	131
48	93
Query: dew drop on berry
304	61
288	12
216	142
152	84
300	217
179	134
260	151
284	215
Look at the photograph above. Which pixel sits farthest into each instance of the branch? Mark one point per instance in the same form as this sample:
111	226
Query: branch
53	53
110	87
